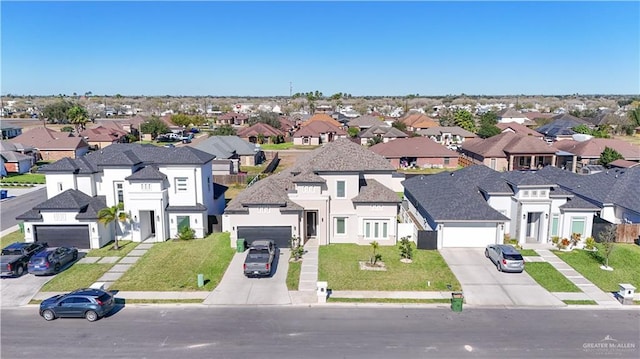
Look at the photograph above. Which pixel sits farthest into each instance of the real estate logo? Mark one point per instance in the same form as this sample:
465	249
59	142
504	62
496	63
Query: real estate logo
609	345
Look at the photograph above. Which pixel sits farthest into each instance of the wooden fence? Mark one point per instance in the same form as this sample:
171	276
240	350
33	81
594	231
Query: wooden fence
627	233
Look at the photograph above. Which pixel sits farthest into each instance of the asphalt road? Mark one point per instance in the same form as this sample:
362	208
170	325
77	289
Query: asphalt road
189	331
13	207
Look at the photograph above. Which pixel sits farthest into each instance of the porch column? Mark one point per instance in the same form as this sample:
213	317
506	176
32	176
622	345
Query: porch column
533	163
510	162
574	165
553	160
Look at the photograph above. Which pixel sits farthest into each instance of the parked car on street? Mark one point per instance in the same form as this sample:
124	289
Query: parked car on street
505	257
52	260
15	257
259	260
88	303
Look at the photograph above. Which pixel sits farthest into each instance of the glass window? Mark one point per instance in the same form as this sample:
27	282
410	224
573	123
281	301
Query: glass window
340	189
446	160
341	226
577	225
376	229
183	222
181	184
555	223
120	192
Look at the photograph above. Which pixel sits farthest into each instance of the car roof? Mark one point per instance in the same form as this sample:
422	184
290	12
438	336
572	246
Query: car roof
44	252
508	249
93	292
261	243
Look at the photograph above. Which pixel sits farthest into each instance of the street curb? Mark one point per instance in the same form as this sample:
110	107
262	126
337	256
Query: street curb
9	230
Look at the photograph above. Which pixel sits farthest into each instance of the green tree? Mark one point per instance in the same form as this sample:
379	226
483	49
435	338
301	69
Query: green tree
181	119
489	118
584	129
464	119
609	155
198	120
374	140
224	130
399	125
634	116
57	112
66	129
270	118
353	132
487	130
154	126
110	215
78	116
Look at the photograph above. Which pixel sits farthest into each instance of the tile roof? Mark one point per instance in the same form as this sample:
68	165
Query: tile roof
510	113
418	120
372	191
44	138
420	147
364	121
507	143
317	128
102	134
147	173
321	117
383	130
593	148
452	196
260	129
624	164
224	147
518	128
440	130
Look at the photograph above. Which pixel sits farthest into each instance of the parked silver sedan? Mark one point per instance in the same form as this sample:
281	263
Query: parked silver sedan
505	257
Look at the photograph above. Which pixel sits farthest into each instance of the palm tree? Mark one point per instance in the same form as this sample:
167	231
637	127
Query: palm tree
78	116
109	215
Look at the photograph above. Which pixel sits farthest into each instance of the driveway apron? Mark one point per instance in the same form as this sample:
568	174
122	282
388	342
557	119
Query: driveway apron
15	292
484	285
236	289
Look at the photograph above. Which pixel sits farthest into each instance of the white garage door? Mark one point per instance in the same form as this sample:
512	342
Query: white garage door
472	235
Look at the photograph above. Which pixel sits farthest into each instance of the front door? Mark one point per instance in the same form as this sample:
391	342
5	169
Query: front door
311	219
152	221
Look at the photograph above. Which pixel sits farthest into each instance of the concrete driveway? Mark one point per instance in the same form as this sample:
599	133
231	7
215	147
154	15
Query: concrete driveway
236	289
16	292
482	284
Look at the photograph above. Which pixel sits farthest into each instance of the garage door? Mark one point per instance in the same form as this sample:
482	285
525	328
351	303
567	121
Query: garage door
468	235
280	235
70	236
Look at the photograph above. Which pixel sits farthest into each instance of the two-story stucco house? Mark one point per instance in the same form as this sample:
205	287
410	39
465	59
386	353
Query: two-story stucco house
161	190
338	193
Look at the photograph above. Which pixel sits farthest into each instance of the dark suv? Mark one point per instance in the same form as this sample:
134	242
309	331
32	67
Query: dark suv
88	303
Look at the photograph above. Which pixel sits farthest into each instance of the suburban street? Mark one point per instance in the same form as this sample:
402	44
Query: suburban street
13	207
195	331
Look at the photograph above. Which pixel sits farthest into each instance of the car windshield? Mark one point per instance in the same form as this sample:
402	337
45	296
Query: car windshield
513	257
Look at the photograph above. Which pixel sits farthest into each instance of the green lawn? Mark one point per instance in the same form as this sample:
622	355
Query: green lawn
107	251
580	302
276	147
338	265
549	277
529	252
253	170
293	275
386	300
175	265
24	178
625	261
77	276
11	238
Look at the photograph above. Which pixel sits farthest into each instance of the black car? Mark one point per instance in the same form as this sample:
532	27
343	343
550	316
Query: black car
52	260
88	303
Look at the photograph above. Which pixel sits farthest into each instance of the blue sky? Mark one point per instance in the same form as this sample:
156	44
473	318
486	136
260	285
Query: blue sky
362	48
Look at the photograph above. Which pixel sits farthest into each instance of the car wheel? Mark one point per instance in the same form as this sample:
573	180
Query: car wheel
48	315
486	253
75	256
91	316
57	267
499	267
19	271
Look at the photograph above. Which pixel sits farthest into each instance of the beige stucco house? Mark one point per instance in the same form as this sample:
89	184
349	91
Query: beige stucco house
338	193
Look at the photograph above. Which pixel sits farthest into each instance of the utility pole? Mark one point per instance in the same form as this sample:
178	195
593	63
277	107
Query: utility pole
290	89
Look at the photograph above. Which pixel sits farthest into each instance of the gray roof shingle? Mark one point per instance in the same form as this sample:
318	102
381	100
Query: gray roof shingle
149	173
372	191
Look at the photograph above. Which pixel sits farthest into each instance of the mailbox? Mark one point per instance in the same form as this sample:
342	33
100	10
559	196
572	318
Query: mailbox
626	293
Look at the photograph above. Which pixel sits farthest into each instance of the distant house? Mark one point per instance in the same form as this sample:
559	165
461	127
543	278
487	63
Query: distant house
101	137
416	152
9	130
588	152
511	115
520	129
561	127
321	117
16	159
259	132
53	145
234	149
233	118
510	151
364	122
383	131
447	135
623	164
416	121
318	132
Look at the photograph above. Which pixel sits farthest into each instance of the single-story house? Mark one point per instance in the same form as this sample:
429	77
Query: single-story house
447	135
317	132
385	132
561	127
520	129
416	121
416	152
365	121
52	145
260	132
9	130
232	148
101	137
511	115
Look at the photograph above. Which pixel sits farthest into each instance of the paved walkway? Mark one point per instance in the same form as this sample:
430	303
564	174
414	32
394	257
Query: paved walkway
122	264
590	290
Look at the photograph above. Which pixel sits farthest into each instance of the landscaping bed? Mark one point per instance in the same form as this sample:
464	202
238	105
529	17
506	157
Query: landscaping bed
175	265
339	266
549	277
625	260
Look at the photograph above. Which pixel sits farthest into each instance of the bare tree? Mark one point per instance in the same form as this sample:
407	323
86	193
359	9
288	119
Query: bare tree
607	238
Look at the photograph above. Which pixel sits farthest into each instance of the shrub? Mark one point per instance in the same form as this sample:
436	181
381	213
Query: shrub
575	239
186	234
406	249
297	250
375	256
590	243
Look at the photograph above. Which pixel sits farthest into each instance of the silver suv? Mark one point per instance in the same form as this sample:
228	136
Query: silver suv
505	257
